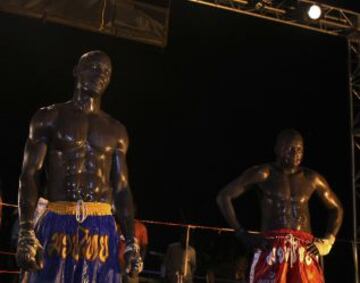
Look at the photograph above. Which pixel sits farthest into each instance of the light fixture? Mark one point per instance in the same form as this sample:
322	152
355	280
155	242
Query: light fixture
314	12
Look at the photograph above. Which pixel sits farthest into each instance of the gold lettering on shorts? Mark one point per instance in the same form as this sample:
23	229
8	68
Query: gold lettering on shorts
75	251
104	248
90	247
53	246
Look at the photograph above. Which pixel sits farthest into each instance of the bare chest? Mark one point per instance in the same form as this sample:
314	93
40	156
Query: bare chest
296	188
80	131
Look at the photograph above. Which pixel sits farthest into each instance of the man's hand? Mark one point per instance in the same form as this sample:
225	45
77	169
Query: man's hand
134	263
252	241
29	253
321	246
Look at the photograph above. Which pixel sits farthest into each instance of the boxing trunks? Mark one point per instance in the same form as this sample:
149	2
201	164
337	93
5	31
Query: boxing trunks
80	244
287	261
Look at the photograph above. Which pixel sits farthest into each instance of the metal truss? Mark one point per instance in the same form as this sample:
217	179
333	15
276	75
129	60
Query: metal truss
354	82
139	20
334	21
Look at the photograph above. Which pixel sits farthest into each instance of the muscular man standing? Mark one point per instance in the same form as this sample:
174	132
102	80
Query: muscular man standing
83	151
285	251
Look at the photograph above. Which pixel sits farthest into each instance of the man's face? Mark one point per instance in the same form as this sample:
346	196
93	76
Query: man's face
291	152
93	73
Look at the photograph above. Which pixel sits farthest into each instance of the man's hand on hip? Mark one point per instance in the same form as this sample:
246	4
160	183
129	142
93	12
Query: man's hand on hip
321	246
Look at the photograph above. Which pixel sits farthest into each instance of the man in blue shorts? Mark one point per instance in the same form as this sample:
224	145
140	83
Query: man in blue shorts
82	150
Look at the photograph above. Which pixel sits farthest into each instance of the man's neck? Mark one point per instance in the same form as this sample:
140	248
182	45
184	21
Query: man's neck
85	102
286	168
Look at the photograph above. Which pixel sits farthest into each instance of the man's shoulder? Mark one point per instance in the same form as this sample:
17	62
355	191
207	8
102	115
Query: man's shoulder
45	115
309	173
262	170
47	109
115	124
42	122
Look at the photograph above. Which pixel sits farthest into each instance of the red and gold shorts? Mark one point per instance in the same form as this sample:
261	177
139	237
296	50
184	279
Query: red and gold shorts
287	261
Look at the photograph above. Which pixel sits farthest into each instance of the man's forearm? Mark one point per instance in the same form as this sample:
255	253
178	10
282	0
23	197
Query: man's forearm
124	209
28	194
227	209
335	221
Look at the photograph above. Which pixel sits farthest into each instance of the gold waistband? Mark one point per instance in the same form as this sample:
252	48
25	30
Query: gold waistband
73	208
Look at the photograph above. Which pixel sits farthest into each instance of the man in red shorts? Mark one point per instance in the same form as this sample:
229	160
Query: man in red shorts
285	250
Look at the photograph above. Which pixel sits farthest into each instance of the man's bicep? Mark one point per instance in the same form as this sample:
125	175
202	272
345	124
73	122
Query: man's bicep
326	194
119	170
37	141
34	155
251	176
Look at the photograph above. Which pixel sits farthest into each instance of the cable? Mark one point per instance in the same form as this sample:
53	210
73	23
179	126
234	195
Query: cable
8	204
10	271
7	253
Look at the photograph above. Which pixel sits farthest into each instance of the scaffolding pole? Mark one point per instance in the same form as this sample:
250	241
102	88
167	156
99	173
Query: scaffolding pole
354	89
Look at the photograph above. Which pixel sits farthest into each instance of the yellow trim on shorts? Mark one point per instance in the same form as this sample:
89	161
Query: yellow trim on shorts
70	208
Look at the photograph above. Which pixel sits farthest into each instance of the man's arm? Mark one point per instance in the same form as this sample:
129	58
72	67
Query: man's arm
236	188
124	204
254	175
323	246
332	203
34	155
122	194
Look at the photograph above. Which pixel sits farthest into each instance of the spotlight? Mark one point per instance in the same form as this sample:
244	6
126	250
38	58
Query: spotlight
314	12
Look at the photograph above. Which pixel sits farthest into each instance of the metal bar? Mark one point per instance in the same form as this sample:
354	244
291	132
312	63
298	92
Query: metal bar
187	239
353	164
336	21
303	26
131	32
328	6
333	18
334	24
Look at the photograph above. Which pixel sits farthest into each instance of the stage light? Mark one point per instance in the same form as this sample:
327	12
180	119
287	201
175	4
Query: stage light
314	12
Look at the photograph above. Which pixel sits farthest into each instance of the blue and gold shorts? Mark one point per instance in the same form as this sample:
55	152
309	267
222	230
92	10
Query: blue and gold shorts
80	244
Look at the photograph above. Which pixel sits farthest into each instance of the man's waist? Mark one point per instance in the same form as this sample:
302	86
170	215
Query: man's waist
284	233
80	208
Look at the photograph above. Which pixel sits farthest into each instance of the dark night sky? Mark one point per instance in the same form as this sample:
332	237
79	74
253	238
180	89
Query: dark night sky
198	112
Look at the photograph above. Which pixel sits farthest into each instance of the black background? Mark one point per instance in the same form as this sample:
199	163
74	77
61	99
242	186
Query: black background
198	112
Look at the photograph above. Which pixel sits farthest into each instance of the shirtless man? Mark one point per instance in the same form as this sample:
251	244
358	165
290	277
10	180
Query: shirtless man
83	151
285	250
